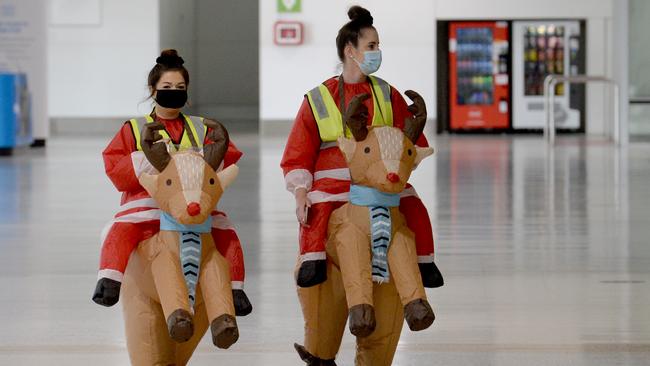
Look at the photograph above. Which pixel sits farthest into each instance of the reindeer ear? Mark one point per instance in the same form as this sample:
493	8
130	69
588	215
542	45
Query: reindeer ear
421	153
149	182
347	147
228	175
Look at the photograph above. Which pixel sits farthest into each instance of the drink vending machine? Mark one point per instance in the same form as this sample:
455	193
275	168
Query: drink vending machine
479	75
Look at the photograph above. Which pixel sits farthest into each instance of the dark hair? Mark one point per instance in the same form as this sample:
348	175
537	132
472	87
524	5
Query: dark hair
360	19
169	60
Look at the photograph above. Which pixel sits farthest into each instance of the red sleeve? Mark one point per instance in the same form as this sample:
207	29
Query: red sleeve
401	112
233	154
117	160
303	144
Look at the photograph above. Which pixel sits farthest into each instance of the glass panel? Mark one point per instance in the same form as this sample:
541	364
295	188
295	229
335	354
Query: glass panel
475	67
543	55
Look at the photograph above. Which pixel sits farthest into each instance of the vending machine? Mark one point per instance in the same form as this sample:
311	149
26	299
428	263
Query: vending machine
478	75
542	48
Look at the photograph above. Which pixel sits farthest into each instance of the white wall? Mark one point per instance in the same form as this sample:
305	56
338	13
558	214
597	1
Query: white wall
407	37
100	70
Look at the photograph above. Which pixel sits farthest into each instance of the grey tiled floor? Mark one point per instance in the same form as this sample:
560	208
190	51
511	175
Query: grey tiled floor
546	256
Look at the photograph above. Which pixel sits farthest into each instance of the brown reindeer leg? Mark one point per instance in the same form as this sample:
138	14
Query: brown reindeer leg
185	350
355	263
405	273
214	281
146	330
170	285
325	312
378	349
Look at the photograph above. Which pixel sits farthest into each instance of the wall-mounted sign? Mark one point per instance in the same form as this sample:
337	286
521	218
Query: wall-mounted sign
288	33
289	6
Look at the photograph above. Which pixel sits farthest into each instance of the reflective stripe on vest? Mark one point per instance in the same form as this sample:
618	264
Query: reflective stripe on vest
197	129
329	118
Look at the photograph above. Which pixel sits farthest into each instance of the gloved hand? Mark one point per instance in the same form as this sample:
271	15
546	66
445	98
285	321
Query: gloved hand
431	276
243	306
311	273
107	292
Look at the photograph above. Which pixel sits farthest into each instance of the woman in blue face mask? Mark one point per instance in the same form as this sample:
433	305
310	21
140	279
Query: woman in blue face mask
138	218
316	173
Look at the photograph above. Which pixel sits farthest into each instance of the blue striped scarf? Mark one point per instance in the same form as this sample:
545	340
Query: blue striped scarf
190	249
379	204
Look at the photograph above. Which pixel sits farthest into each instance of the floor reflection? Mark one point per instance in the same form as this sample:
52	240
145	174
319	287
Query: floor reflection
545	252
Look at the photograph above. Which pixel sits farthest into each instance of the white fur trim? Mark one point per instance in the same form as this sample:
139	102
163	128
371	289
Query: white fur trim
298	178
320	196
425	258
314	256
409	192
110	273
144	202
141	164
341	174
222	222
140	216
237	285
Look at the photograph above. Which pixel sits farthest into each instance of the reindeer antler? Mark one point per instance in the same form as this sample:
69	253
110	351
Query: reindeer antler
156	153
214	153
356	117
413	127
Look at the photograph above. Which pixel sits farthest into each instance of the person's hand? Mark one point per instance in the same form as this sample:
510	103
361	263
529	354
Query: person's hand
302	205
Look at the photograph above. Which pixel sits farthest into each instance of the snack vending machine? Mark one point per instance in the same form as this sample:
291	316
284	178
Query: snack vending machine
542	48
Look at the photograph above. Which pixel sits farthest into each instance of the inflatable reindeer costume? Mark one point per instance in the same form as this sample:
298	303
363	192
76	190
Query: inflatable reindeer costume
177	284
372	264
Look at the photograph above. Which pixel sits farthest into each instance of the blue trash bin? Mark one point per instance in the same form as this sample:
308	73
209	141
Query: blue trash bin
15	112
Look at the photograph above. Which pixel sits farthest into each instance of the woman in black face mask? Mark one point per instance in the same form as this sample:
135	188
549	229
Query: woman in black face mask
138	217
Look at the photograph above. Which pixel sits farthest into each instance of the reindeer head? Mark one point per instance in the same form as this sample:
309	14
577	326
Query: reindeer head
383	157
188	186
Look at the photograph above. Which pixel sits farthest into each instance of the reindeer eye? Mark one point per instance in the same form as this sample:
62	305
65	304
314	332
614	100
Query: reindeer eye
366	150
211	180
410	152
169	182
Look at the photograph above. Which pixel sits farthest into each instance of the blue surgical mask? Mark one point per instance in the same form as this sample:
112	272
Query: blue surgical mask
371	62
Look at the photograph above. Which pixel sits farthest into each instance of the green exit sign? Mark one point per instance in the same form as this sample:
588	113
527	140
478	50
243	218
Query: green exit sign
289	6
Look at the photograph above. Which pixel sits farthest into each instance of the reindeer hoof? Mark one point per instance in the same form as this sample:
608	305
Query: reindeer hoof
180	325
362	320
224	331
419	315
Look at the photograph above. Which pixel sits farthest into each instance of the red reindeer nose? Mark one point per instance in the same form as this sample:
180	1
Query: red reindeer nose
193	209
392	177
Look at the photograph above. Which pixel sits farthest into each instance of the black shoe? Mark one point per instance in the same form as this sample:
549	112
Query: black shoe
310	359
431	276
107	292
312	273
243	306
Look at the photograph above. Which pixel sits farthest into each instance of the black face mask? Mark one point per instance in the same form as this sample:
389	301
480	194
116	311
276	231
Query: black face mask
171	98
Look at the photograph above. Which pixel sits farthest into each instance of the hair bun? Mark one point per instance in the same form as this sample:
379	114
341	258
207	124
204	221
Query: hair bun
359	14
170	58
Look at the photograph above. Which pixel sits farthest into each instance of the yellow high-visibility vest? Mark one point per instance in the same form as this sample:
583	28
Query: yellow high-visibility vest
329	118
197	129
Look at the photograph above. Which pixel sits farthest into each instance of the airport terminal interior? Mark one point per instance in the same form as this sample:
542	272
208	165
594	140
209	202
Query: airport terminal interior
537	192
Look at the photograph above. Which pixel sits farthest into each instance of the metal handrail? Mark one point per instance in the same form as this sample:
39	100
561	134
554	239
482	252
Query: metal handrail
549	102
